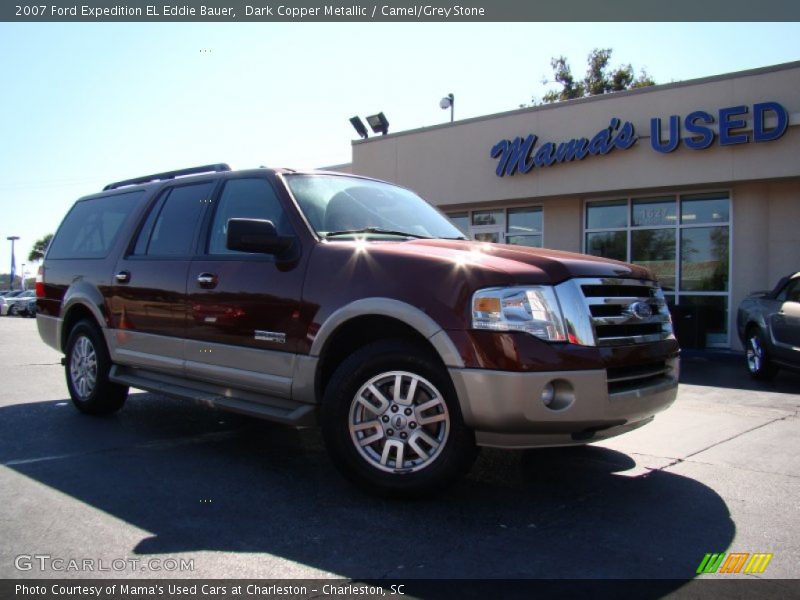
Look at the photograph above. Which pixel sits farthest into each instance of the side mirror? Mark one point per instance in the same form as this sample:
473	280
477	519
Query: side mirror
256	235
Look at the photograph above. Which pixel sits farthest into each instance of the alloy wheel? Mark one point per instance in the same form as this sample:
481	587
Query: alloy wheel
755	354
399	422
83	367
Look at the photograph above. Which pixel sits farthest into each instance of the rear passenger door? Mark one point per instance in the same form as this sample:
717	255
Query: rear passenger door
149	290
244	308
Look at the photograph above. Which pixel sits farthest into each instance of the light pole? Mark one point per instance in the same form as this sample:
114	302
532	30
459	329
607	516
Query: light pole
23	277
12	239
448	102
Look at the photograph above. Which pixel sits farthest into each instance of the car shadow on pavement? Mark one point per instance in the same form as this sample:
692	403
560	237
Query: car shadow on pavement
203	480
726	369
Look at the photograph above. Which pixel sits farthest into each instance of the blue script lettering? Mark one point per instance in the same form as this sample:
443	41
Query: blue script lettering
513	155
516	156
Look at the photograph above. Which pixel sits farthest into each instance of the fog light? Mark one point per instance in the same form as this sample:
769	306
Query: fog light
558	395
548	394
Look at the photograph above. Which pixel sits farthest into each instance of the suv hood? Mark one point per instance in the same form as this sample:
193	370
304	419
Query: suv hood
520	263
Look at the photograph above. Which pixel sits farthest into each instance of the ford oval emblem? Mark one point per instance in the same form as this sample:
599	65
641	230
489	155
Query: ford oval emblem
640	310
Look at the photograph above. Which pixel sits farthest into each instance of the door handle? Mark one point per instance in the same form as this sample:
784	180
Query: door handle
123	277
207	280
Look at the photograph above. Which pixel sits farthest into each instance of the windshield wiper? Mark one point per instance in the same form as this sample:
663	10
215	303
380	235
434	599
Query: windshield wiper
376	230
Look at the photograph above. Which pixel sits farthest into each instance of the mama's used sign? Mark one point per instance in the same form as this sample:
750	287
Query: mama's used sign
522	154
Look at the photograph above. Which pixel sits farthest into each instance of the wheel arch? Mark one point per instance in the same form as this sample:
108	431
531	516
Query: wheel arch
757	322
76	309
371	319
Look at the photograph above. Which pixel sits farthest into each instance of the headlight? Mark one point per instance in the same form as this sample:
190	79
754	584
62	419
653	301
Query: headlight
533	309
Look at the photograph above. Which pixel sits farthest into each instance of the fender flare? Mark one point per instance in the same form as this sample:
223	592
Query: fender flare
86	296
402	311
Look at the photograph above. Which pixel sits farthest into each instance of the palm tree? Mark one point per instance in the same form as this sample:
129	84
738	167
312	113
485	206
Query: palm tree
39	248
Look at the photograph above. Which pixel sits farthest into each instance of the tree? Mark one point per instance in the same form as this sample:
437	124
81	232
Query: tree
598	79
563	75
39	248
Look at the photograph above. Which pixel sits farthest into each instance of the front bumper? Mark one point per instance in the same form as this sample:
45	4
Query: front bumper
506	410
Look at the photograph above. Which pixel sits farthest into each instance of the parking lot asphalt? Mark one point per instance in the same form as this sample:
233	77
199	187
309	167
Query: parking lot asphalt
166	479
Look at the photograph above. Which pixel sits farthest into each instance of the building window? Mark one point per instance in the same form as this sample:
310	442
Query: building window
520	226
487	217
524	227
461	221
683	239
607	214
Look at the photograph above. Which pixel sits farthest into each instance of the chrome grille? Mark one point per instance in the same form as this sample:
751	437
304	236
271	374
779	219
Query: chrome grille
614	312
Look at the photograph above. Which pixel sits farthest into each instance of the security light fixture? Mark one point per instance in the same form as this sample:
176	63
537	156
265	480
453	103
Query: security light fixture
358	125
378	123
448	102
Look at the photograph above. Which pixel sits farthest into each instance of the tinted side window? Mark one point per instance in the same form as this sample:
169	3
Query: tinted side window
90	228
250	199
791	292
175	222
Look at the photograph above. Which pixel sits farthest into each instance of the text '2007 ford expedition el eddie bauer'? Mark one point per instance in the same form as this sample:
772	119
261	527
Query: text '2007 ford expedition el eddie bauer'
306	297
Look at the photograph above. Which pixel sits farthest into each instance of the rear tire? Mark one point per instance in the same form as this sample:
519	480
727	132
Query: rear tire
86	368
404	442
758	361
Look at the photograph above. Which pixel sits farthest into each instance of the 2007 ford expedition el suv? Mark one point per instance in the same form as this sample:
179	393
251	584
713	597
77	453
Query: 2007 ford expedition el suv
307	297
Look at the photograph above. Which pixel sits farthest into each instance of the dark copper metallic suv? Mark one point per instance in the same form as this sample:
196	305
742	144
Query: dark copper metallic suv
307	296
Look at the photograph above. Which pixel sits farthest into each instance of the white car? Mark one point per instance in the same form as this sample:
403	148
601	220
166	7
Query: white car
5	296
14	301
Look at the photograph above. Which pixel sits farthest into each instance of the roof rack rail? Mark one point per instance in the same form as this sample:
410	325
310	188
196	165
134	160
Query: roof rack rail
168	175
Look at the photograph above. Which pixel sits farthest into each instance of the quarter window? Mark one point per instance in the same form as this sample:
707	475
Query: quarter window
91	226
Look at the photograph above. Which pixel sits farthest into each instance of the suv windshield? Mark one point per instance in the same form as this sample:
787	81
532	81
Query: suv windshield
338	206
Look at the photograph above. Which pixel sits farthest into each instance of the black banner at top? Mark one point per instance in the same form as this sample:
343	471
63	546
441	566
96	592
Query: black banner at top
398	10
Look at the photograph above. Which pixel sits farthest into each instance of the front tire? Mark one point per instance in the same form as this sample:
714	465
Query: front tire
392	422
86	368
758	361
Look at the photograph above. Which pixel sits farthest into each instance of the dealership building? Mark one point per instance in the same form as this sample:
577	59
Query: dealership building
697	180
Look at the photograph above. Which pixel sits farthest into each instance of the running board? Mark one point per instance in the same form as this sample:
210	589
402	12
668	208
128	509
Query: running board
240	401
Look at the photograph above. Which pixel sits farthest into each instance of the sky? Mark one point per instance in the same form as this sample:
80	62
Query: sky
85	104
